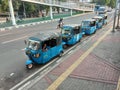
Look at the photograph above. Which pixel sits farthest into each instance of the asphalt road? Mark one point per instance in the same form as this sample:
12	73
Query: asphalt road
12	56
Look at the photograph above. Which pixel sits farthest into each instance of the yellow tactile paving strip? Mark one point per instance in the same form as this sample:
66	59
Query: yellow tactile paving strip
118	85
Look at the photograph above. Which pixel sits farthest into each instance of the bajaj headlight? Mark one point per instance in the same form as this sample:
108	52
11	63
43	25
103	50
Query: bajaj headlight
28	52
37	55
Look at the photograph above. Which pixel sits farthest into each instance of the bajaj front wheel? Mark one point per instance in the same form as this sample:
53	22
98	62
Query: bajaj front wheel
61	54
30	66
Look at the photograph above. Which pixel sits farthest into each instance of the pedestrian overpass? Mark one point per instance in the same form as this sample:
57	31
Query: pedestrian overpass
73	4
68	4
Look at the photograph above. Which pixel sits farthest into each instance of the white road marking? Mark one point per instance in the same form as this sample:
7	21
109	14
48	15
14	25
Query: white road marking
59	60
3	29
5	34
13	88
14	40
70	52
26	84
23	49
2	79
12	74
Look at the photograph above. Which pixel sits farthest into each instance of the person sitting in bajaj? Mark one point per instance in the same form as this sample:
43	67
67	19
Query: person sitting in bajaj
44	47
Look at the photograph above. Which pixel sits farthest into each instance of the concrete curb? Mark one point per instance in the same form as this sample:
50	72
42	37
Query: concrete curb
35	23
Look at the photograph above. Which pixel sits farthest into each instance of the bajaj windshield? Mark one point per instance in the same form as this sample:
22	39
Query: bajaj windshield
34	45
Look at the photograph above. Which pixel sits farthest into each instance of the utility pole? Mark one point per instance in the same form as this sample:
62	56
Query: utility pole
115	15
117	27
51	11
12	12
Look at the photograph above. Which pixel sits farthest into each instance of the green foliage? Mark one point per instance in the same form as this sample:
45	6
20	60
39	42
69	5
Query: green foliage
4	6
107	2
0	1
110	3
30	7
16	4
62	0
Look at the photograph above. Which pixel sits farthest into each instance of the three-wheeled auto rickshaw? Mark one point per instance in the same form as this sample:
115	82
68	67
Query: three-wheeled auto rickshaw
42	47
104	16
89	26
71	34
99	21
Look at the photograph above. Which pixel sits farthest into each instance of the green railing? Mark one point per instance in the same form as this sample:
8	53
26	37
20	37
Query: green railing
5	24
32	20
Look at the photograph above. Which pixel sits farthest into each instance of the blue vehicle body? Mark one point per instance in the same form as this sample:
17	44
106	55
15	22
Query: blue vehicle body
71	34
104	16
35	52
99	21
89	26
102	9
97	7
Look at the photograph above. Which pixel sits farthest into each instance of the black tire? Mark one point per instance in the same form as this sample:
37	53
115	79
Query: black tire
30	66
94	32
64	46
79	40
61	54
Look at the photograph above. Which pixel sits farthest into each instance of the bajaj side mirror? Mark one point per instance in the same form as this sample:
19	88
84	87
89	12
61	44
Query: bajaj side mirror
25	42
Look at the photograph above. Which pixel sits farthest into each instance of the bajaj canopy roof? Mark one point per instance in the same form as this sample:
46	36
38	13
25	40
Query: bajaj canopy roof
45	36
70	26
89	20
97	17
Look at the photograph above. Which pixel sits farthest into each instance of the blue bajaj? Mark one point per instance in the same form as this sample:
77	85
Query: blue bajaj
42	48
96	8
71	34
104	16
99	21
89	26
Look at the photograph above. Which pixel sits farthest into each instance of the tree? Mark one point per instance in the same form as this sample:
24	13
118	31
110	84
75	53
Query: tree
107	2
112	3
4	6
0	6
0	2
30	8
47	10
16	4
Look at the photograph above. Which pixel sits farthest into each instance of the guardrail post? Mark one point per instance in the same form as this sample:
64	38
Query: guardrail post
71	12
12	12
51	14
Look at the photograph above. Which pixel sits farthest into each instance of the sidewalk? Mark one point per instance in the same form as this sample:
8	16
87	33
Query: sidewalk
94	65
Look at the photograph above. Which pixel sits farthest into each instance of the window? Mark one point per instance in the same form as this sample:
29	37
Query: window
66	31
76	30
49	43
92	23
85	23
34	45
